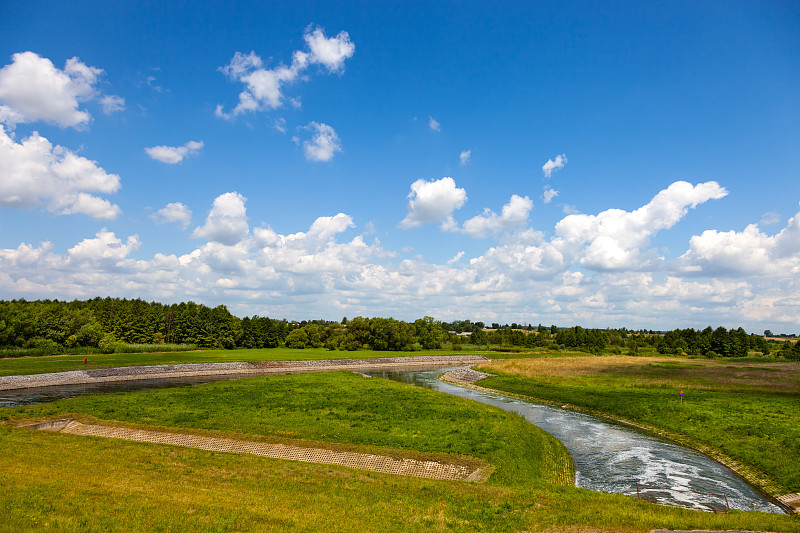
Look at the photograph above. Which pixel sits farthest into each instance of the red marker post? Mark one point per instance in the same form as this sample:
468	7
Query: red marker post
681	397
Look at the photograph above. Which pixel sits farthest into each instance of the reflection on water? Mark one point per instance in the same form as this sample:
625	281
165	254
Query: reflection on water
612	458
34	395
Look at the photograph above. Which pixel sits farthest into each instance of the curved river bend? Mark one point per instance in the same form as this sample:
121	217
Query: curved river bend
613	458
608	457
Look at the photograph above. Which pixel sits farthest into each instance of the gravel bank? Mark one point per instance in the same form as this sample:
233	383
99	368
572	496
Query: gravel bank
130	373
464	376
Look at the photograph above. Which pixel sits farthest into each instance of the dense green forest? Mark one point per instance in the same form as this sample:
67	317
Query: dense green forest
107	324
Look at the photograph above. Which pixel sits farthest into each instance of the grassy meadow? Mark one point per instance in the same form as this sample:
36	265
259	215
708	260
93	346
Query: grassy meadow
749	410
62	482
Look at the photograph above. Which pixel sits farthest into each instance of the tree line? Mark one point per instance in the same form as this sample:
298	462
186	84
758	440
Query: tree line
48	326
107	323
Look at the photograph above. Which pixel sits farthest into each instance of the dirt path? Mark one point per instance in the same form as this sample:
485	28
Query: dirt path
376	463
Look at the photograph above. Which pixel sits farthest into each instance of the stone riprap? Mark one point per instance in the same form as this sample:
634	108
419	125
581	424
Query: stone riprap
464	376
377	463
131	373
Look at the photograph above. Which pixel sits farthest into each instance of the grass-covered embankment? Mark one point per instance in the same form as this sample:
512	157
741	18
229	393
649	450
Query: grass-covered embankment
341	408
750	411
62	482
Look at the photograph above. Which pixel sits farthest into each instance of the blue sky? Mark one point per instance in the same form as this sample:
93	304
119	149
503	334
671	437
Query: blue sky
603	164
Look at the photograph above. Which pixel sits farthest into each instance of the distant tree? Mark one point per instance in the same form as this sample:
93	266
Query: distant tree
429	333
297	339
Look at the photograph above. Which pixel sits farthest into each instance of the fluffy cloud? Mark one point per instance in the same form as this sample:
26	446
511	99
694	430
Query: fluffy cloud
174	212
264	87
514	215
554	164
329	52
104	247
434	124
32	88
227	221
616	239
747	253
174	154
433	201
34	172
324	228
323	145
464	157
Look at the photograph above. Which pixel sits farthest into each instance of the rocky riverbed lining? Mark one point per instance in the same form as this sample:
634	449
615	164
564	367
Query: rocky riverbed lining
402	466
131	373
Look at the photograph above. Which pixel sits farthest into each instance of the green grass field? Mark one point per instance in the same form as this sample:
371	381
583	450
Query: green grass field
61	482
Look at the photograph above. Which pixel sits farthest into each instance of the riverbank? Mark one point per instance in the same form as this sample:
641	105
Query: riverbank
131	373
736	423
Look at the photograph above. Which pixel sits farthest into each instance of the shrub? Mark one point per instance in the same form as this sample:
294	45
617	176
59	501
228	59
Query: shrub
109	343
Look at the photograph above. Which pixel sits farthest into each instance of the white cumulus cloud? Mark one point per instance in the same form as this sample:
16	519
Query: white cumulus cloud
330	52
324	228
33	172
32	89
746	253
433	201
554	164
434	124
105	246
264	86
464	157
615	239
514	215
174	154
174	212
323	145
227	220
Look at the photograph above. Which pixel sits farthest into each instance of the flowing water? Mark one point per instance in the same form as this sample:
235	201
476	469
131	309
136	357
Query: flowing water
608	457
614	458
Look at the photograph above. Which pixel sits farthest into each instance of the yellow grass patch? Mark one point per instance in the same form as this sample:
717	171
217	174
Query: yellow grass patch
701	373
